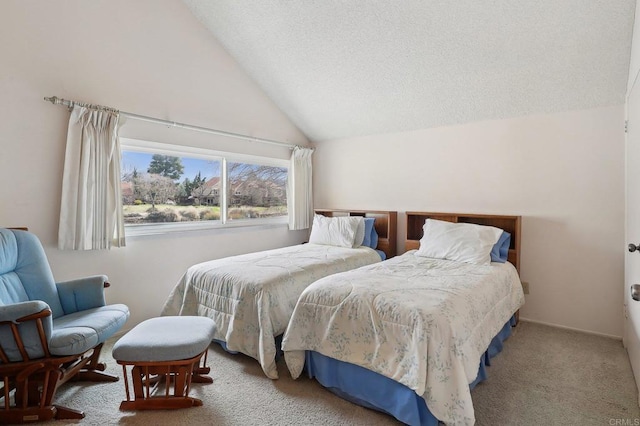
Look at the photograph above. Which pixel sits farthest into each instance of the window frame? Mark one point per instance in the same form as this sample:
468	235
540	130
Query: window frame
150	147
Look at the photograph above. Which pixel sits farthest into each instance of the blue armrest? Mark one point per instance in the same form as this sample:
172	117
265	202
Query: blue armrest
15	311
27	330
82	294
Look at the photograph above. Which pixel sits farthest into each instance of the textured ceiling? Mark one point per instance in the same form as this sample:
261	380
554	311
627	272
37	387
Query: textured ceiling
344	68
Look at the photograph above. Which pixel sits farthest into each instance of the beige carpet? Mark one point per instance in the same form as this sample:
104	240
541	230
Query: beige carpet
544	376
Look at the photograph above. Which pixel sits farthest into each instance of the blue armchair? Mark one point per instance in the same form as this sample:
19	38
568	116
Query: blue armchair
49	332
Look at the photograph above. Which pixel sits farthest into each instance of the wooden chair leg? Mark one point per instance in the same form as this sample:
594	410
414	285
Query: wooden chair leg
27	415
50	386
94	376
34	390
68	413
93	370
94	360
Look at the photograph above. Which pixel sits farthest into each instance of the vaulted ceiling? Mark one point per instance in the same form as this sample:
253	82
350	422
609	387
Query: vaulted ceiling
345	68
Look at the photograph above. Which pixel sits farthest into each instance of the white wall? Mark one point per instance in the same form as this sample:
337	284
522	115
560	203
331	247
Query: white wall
149	57
564	173
634	62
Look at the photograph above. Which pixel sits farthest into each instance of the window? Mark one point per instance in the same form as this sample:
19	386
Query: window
259	191
174	187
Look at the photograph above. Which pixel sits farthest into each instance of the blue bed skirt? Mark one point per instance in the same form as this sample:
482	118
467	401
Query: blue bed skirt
373	390
278	340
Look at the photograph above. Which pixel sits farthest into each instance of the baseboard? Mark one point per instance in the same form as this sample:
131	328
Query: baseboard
610	336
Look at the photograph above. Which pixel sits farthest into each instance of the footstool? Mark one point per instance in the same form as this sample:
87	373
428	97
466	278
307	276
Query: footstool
169	348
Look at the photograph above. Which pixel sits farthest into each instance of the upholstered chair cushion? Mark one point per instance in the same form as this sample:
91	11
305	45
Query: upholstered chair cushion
81	331
24	271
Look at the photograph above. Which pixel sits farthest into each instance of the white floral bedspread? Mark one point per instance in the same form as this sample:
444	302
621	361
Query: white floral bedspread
251	297
422	322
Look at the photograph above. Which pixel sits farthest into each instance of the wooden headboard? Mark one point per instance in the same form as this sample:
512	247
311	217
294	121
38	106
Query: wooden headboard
511	224
386	224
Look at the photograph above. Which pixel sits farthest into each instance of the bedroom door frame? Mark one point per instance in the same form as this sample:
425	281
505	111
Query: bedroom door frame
631	336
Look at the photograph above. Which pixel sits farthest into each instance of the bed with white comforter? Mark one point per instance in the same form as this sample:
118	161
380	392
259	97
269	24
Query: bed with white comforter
251	297
420	321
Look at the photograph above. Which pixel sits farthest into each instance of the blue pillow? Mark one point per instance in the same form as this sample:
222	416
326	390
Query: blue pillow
374	238
368	227
500	251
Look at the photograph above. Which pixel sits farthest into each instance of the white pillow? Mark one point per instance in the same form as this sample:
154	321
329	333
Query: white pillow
335	231
464	242
359	238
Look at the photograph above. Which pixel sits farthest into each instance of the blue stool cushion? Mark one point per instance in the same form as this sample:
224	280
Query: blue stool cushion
169	338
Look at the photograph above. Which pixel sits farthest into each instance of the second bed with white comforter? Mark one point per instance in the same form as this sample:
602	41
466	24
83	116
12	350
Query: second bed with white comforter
420	321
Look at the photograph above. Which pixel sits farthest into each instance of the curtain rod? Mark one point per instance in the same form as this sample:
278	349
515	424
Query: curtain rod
59	101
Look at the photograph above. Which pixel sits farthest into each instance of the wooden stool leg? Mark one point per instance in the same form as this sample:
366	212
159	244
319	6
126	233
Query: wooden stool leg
179	384
200	372
179	374
136	376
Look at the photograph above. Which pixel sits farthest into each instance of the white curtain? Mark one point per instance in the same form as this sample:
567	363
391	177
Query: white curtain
300	195
91	207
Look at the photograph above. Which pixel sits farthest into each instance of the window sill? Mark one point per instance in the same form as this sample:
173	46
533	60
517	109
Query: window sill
176	229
